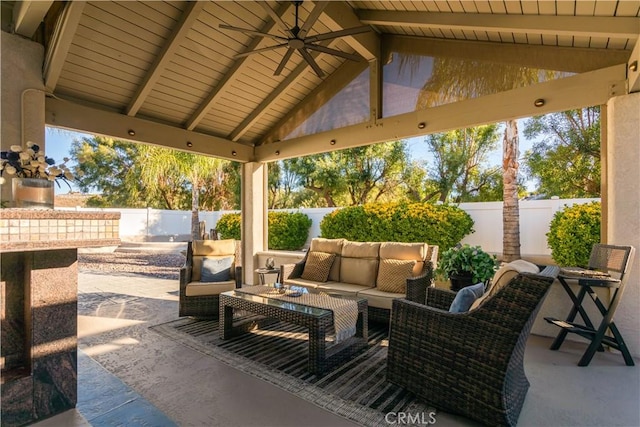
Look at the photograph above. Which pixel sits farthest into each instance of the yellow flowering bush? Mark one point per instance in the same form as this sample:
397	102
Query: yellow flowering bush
441	225
573	232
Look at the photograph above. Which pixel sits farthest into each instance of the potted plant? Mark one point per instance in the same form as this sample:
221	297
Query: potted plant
33	175
466	265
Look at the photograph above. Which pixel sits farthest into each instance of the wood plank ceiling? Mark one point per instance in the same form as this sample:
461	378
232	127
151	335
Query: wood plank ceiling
169	63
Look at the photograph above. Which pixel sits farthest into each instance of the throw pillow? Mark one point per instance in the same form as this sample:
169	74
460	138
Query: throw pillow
393	275
216	269
466	297
318	266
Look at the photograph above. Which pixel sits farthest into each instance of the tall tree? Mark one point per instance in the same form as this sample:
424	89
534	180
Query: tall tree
138	175
353	176
458	172
566	161
455	79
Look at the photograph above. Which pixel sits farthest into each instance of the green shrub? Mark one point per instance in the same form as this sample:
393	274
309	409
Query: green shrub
441	225
229	226
573	232
287	231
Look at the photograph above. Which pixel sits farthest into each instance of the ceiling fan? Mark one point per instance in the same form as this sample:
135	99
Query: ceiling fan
297	40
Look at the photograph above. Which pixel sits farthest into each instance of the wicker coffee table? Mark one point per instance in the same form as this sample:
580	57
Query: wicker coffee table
317	320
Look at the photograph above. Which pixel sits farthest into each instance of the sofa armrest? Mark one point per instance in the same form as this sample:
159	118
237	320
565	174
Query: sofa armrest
417	286
292	271
238	273
440	298
185	277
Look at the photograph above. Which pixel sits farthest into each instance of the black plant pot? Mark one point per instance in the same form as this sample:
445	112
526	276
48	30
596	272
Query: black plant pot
459	281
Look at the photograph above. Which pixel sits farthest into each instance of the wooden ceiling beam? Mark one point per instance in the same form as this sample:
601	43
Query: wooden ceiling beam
70	115
339	16
27	16
178	35
557	58
578	91
587	26
61	40
231	75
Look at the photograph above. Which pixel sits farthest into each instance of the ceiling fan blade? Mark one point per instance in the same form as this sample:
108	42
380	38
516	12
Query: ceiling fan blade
340	33
264	49
312	62
272	13
284	61
313	17
252	32
335	52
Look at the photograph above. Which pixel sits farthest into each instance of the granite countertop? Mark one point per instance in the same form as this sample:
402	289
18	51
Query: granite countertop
19	213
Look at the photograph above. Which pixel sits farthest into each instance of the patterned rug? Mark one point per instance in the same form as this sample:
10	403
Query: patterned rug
277	353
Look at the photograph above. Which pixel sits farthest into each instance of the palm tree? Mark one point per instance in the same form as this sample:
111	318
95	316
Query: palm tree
161	164
456	79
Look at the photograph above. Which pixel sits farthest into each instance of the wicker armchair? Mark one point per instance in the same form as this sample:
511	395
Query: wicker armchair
201	299
468	363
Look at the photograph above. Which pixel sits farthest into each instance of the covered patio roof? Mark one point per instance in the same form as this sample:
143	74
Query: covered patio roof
166	73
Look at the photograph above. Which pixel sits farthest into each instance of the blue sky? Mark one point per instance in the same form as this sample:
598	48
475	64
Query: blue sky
58	144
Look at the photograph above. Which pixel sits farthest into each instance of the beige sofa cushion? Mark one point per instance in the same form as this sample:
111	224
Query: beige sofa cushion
317	266
342	288
331	246
379	299
406	251
208	288
393	275
503	276
359	264
306	283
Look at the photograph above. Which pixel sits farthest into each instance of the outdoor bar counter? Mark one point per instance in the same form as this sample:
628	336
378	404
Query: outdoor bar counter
38	306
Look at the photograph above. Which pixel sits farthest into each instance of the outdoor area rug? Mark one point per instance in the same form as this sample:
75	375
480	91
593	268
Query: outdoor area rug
356	390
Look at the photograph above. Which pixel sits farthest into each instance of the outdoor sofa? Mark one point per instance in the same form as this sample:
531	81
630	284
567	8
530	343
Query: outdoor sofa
377	271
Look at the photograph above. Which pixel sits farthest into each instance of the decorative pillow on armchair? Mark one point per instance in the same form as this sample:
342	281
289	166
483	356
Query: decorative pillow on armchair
317	266
216	269
466	297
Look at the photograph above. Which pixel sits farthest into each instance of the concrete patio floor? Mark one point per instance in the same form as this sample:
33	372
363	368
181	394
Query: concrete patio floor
151	380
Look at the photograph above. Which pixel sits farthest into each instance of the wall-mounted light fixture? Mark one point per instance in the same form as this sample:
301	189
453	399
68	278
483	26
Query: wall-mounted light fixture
633	66
189	144
234	153
277	152
539	102
332	142
422	125
131	132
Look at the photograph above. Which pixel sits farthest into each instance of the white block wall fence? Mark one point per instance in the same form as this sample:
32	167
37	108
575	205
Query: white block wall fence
140	225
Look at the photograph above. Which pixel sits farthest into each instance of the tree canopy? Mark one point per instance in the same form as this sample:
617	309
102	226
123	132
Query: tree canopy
566	160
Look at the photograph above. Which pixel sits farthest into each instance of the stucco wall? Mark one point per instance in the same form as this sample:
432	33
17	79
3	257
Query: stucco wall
624	204
21	69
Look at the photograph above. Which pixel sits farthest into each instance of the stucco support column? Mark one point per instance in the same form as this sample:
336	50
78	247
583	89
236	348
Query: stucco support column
22	96
254	217
623	205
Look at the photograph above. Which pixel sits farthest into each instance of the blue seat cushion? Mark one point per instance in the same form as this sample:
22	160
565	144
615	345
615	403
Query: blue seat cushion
465	297
216	269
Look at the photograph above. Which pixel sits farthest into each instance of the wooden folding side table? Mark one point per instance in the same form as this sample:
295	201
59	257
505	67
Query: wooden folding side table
597	336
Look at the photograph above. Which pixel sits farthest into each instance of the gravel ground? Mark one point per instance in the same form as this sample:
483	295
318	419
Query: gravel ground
161	265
